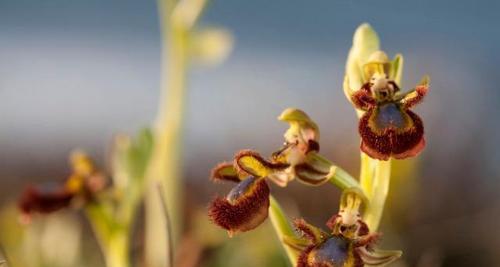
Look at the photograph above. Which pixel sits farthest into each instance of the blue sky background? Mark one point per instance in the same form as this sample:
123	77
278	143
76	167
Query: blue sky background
72	73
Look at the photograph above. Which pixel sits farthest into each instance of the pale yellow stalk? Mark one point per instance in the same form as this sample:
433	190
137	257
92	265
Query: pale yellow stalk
176	21
375	175
282	228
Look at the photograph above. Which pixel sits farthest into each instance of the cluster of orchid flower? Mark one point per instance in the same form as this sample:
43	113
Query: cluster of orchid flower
388	128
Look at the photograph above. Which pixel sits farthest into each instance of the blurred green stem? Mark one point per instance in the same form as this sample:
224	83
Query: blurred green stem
118	249
282	228
112	236
176	20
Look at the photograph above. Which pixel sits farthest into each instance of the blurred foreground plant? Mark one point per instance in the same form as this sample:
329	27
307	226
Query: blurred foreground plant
146	167
110	205
183	43
387	128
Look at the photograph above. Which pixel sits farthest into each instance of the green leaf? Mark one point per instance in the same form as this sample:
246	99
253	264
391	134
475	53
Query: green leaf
139	153
130	158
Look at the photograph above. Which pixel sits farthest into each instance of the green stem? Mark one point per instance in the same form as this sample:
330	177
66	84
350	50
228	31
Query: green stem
100	225
342	179
282	228
112	237
375	181
337	176
166	158
176	21
118	248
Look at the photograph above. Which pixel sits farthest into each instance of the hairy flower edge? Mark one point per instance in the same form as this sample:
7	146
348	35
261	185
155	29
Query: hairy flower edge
244	208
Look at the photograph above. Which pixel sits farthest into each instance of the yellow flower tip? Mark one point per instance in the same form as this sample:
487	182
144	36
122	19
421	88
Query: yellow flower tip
378	63
352	198
426	80
81	163
297	116
294	115
366	37
378	56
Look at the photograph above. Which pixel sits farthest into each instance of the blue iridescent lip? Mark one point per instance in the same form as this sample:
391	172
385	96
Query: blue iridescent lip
240	189
334	250
390	116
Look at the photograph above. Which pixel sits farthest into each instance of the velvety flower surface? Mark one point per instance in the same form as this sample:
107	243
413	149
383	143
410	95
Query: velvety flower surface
350	244
388	127
245	207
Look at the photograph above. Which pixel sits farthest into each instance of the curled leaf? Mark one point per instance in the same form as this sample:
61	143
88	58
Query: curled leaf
225	171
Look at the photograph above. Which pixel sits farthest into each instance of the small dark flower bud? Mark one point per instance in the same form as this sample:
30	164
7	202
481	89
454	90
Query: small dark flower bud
44	199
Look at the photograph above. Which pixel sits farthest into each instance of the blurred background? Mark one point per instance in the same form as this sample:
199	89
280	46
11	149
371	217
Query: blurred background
74	73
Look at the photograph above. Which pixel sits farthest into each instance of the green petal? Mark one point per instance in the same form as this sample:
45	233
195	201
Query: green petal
314	171
309	231
378	257
396	73
295	243
351	195
365	42
294	114
378	62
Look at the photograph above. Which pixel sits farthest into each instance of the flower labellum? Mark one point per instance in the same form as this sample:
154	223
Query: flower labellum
388	127
349	245
244	208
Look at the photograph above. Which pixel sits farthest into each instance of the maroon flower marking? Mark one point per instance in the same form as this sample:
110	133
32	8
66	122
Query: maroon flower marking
84	183
44	199
349	244
244	208
388	128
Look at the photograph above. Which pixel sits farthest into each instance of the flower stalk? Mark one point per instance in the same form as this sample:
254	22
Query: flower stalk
282	228
375	183
181	44
112	236
165	163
